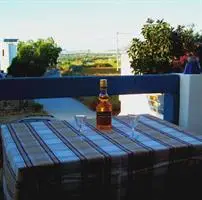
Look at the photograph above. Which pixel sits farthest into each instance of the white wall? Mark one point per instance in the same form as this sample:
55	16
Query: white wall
190	111
133	104
12	48
125	65
5	57
10	51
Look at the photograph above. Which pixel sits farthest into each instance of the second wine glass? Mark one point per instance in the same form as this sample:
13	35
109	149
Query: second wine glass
133	122
80	123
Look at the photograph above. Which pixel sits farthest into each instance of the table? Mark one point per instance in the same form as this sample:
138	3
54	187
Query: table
48	160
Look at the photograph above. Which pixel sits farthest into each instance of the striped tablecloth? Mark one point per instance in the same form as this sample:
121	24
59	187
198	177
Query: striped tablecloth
50	159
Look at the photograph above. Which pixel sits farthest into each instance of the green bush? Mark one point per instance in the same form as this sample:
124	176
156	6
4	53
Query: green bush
37	107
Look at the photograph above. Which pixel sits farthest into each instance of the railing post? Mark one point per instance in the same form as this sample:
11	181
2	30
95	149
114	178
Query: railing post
171	108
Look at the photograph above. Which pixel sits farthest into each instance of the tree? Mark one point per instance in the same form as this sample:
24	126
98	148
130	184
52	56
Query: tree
34	58
161	46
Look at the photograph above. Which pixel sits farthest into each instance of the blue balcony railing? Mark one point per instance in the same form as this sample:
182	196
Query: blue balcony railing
32	88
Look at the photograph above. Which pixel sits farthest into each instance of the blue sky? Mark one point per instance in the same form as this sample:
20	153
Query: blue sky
91	24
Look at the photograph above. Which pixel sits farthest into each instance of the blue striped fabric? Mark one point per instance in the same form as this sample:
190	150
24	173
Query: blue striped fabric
51	159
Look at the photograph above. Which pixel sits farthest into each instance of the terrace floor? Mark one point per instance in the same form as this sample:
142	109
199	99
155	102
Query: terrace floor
65	108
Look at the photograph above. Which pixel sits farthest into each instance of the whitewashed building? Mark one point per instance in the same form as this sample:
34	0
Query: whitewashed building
8	50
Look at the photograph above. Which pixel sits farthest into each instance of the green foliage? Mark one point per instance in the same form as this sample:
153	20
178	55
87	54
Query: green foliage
162	43
34	58
184	40
37	107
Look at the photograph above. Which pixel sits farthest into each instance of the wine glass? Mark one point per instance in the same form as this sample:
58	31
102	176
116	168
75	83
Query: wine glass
80	123
133	122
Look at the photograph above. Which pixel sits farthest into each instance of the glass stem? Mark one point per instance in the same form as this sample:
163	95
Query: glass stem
133	132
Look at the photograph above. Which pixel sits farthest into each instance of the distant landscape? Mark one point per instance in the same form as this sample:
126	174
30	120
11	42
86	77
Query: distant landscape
88	64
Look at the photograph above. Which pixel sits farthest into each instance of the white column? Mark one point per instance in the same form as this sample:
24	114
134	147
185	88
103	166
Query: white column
190	111
125	65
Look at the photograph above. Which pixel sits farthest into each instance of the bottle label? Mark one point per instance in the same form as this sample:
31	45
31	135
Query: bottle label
104	118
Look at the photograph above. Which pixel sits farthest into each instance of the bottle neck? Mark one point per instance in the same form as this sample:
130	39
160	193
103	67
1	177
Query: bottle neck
103	90
103	96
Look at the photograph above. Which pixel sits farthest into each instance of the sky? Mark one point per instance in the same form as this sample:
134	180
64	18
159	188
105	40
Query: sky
91	24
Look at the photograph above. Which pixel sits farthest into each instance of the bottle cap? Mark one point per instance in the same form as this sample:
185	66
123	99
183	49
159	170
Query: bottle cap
103	82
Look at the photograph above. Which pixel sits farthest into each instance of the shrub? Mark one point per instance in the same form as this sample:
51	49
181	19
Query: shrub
37	107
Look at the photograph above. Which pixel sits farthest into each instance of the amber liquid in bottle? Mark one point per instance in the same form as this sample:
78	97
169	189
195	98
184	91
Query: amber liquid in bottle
104	108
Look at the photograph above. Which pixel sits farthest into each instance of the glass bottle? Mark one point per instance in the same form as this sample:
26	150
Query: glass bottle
104	108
